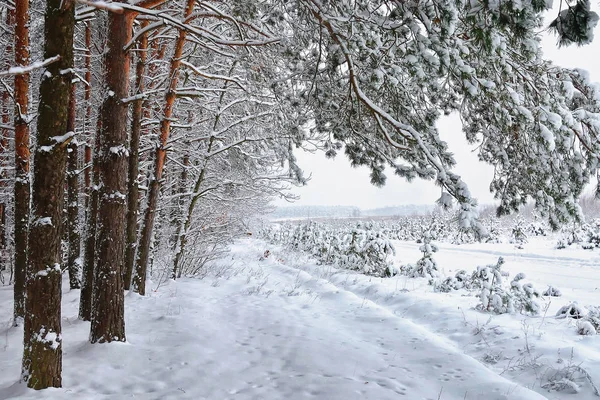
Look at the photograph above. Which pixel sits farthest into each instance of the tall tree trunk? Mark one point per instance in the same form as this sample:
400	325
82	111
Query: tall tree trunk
91	200
178	213
22	184
4	152
74	255
160	157
42	355
108	320
89	262
134	161
87	155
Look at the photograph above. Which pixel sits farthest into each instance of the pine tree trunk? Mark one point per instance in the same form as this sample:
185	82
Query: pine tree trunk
108	322
6	162
73	260
89	262
87	155
160	158
91	199
42	355
22	184
134	161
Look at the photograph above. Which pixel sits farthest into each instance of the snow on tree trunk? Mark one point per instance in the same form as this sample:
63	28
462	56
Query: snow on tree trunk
134	161
4	154
73	259
22	184
108	322
42	354
87	157
89	262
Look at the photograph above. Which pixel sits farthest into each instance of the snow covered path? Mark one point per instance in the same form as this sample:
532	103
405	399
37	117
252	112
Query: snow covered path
260	330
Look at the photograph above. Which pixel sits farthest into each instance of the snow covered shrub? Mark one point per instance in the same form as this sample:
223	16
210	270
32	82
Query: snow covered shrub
523	296
487	275
460	280
463	236
496	297
426	266
587	324
585	327
364	248
593	317
552	292
537	228
493	296
376	250
518	236
562	380
570	311
592	236
368	251
494	231
572	233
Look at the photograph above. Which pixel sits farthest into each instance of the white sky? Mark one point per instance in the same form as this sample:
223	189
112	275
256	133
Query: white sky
335	182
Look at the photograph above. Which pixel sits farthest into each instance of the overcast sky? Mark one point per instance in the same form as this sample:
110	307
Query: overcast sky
334	182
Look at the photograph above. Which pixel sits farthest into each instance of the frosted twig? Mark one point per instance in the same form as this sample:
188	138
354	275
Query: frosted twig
29	68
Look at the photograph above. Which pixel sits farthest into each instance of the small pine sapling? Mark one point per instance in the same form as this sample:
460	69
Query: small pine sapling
592	236
493	297
523	296
518	236
426	266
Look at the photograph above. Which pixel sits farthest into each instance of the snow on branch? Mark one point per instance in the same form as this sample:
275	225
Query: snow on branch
213	76
103	5
29	68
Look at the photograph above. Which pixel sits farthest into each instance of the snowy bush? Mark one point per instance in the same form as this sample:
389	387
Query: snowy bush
552	292
585	327
593	317
570	311
537	228
592	235
561	383
461	280
518	235
587	324
570	234
364	248
496	297
523	296
426	266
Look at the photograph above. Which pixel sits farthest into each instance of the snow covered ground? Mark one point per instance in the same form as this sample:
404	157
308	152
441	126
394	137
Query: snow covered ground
285	328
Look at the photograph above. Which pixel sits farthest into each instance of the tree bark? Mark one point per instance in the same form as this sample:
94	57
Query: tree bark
91	200
89	262
22	183
5	160
42	355
74	255
108	320
87	156
160	157
134	161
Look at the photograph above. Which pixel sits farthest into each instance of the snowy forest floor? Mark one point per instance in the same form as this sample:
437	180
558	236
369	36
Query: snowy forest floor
285	328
